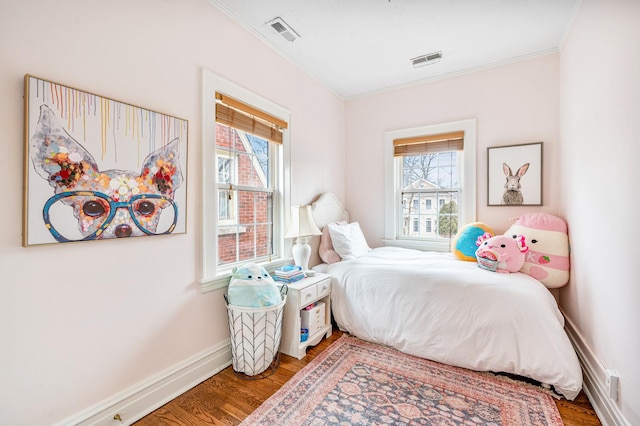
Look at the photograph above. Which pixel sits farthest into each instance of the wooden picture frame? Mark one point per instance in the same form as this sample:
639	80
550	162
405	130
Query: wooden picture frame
514	175
96	168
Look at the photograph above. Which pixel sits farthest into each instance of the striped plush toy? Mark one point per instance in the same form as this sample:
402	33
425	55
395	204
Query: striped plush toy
548	257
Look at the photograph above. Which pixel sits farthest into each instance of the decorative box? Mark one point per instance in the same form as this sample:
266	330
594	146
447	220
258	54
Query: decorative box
313	319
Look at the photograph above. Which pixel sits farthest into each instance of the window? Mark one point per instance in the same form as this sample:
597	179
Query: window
246	158
245	195
431	163
416	203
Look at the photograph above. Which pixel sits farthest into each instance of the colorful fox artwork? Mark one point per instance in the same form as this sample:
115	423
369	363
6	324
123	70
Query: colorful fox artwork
89	203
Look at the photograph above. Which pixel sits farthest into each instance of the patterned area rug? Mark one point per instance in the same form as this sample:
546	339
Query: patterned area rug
354	382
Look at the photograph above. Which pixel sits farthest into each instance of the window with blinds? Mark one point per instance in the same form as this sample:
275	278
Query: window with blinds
429	169
245	200
426	168
247	141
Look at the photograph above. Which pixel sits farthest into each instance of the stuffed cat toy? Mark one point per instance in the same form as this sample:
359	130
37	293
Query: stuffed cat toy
252	286
501	253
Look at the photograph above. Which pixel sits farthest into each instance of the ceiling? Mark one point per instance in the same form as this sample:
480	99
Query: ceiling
360	47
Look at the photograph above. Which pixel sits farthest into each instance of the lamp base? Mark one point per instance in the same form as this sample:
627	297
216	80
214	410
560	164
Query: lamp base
301	251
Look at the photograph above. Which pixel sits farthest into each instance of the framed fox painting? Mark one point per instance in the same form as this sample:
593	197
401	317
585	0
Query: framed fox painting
96	168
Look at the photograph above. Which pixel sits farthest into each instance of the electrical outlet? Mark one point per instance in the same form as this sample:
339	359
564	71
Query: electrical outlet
613	381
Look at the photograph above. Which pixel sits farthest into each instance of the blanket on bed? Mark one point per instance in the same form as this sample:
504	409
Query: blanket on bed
434	306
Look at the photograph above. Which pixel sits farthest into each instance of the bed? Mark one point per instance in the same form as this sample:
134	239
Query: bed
435	306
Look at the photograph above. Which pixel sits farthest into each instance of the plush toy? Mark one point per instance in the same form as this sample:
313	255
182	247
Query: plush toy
252	286
548	241
464	244
501	253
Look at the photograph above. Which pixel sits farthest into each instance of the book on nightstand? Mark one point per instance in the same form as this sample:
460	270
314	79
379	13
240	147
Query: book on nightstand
288	274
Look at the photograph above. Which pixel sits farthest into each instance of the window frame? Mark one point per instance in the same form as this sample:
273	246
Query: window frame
233	205
215	277
393	180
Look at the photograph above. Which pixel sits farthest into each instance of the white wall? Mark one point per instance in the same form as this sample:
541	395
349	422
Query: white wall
600	125
80	323
513	104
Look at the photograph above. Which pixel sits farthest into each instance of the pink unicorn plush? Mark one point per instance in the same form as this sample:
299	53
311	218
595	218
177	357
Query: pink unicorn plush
501	253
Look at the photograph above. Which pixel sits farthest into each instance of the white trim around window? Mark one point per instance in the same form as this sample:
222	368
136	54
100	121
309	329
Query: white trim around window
392	197
213	277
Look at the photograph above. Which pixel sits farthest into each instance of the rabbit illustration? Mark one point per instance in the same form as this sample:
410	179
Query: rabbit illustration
512	194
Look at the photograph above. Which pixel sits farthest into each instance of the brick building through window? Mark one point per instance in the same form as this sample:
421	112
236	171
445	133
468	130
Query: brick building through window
245	227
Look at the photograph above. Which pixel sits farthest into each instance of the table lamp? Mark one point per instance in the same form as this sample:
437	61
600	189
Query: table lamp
301	228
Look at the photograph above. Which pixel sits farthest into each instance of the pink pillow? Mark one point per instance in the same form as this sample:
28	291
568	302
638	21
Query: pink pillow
325	250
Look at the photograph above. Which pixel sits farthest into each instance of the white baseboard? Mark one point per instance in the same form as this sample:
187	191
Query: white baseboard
144	398
594	379
137	402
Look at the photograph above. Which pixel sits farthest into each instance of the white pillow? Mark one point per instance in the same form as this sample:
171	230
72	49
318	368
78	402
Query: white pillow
348	240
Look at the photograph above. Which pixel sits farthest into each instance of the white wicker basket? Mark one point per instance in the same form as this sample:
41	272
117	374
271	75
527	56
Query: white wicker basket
255	337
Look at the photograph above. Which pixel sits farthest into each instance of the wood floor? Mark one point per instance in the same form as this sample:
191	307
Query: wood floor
225	399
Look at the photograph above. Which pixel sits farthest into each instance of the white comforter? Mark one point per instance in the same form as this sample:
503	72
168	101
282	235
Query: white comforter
437	307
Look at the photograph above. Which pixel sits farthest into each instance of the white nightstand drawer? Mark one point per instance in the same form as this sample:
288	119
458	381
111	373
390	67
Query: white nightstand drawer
324	288
308	295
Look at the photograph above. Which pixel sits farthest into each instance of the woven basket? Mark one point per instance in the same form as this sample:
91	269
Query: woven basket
255	337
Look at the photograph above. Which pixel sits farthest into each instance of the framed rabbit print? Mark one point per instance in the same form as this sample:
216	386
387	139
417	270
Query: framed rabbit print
514	175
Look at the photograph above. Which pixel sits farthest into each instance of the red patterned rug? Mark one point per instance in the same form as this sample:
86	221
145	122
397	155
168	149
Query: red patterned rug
354	382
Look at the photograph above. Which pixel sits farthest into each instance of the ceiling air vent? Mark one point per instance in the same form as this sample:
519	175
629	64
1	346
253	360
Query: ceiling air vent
431	58
283	29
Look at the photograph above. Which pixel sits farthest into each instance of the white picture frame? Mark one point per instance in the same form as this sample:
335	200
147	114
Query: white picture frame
514	175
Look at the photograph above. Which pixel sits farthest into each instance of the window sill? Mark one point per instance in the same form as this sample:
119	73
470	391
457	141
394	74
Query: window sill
423	245
222	279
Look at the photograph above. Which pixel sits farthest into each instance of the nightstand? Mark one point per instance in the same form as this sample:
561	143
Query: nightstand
301	294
